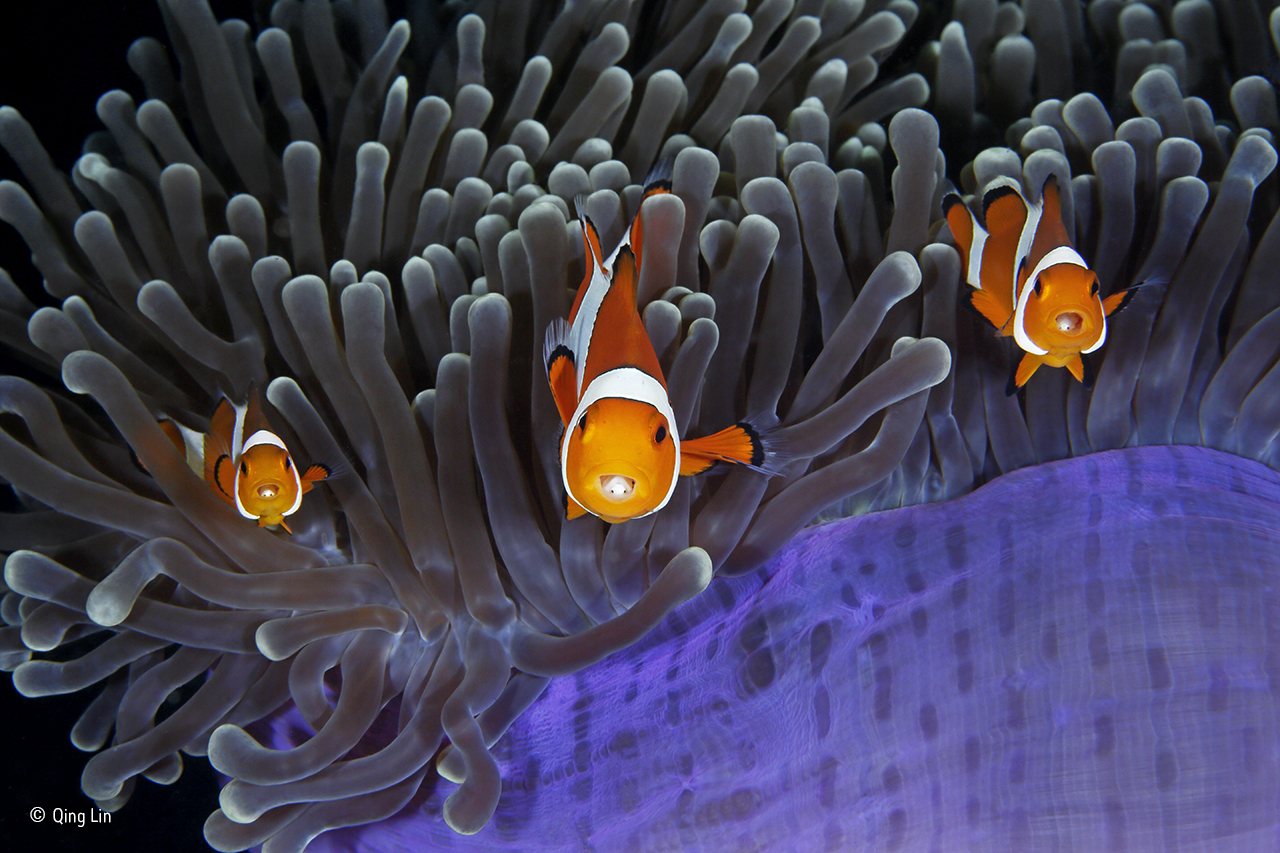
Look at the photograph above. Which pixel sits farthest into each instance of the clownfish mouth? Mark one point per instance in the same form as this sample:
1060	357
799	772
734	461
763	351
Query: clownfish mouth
616	487
1070	322
268	491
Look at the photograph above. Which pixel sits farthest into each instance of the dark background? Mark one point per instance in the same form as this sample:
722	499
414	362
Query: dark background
56	59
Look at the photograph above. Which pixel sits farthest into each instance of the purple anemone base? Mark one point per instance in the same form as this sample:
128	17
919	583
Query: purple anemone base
1082	655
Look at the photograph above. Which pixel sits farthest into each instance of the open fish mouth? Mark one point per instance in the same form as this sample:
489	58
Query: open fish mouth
616	487
268	491
1070	322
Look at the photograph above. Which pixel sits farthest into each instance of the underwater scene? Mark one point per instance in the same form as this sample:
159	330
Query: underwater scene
628	425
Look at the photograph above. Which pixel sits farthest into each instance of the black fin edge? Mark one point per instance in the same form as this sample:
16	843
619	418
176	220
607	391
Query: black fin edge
659	177
1128	297
1088	373
949	201
757	444
966	300
561	351
995	194
217	467
625	251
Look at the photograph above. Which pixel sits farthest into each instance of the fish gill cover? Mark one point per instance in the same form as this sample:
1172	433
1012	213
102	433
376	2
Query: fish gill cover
371	221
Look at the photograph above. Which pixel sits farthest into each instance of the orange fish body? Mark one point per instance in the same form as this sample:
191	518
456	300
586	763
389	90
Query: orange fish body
249	466
621	454
1027	280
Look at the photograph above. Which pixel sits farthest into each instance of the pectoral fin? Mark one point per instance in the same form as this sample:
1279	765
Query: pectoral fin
740	444
1117	301
313	475
987	307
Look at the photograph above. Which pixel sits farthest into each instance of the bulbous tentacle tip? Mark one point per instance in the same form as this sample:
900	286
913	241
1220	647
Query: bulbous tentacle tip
467	812
97	782
228	744
79	369
691	569
232	805
451	766
106	610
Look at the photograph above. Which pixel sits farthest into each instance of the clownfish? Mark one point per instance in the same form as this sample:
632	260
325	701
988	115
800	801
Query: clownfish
248	465
620	453
1026	280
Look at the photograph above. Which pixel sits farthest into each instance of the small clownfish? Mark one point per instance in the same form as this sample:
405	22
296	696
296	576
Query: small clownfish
620	453
1027	281
250	467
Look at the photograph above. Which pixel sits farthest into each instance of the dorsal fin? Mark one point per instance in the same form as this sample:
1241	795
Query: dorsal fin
592	253
1004	209
561	367
1051	197
625	276
1051	231
658	182
659	177
254	418
961	223
217	443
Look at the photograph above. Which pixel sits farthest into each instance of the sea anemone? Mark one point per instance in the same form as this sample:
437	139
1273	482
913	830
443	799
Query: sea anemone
1077	654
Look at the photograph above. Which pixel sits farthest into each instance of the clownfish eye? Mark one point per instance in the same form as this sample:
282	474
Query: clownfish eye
288	463
582	423
244	469
1038	286
1093	288
661	435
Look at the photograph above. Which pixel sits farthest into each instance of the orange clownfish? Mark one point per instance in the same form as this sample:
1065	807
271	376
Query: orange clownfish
621	454
250	467
1027	281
